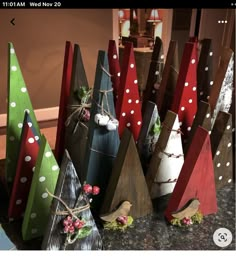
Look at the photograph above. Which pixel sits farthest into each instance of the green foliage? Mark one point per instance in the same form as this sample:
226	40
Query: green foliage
83	94
118	226
156	128
195	219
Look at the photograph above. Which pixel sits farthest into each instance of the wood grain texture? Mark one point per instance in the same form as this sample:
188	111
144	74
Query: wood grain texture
165	92
222	149
196	179
64	99
68	189
164	168
75	140
102	145
205	70
154	74
147	139
203	119
127	181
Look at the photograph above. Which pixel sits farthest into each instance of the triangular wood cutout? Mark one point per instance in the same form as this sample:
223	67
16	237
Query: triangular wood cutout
222	89
29	149
103	140
127	181
18	102
64	99
203	119
154	74
114	68
128	107
165	92
205	70
38	205
68	189
167	159
196	179
149	134
76	126
221	146
185	98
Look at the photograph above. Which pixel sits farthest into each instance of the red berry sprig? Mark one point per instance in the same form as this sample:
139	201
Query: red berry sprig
89	189
123	220
71	225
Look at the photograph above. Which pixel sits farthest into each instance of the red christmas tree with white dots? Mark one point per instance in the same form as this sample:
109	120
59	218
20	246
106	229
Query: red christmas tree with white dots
29	149
114	67
185	98
128	108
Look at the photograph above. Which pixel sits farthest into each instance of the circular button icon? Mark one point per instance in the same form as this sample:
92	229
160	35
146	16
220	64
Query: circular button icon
222	237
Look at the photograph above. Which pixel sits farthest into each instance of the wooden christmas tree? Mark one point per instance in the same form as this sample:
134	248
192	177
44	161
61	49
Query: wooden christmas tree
18	103
221	145
167	159
128	107
78	113
127	182
149	134
69	192
29	148
196	179
185	99
166	90
39	202
222	89
103	138
114	68
203	119
154	74
64	98
204	70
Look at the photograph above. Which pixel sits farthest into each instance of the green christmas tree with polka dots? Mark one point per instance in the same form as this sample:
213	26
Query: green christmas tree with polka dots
18	103
39	201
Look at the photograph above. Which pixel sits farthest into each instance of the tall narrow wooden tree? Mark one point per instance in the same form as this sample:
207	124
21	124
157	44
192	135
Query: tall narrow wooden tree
38	205
196	179
69	190
167	159
128	108
185	99
102	144
18	103
64	99
127	181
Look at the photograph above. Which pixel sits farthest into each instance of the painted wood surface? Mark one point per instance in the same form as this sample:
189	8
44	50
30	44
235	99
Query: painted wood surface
68	189
128	108
205	70
222	149
5	241
64	98
149	134
154	74
76	130
18	102
165	92
203	119
29	149
114	68
38	205
102	144
167	159
222	89
196	179
127	181
185	98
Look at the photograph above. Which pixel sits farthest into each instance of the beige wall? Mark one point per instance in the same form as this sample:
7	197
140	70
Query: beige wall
39	38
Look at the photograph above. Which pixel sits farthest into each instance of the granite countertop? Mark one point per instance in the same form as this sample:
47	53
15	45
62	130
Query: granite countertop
152	232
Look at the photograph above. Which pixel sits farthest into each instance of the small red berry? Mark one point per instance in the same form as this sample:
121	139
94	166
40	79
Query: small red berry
78	224
66	229
71	229
87	188
95	190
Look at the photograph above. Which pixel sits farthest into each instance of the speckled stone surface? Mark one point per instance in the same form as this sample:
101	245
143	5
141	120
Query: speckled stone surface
152	232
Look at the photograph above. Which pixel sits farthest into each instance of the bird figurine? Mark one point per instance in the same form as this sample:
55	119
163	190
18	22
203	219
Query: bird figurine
188	210
123	210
